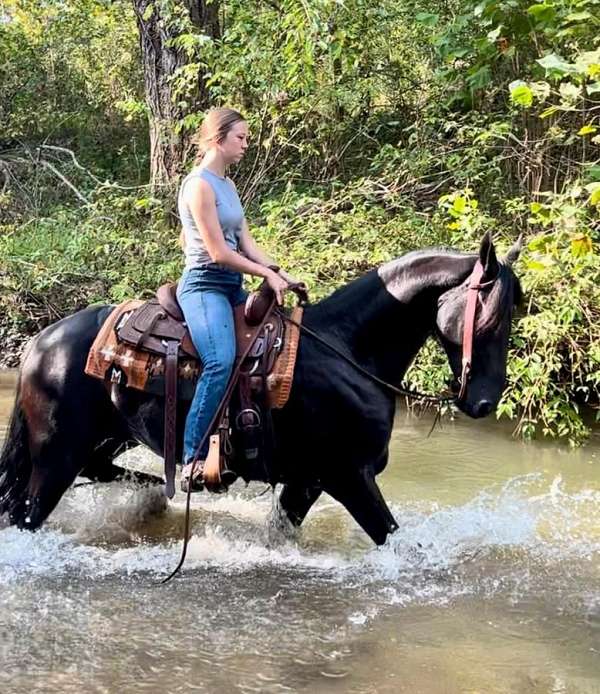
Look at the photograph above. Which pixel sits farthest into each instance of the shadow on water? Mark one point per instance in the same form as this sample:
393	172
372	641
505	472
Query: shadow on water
491	584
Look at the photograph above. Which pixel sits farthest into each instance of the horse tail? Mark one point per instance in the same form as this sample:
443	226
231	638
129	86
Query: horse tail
15	464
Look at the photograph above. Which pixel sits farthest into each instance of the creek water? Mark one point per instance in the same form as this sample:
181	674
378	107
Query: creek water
491	584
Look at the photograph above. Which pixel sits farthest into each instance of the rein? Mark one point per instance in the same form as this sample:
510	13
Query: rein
475	285
398	390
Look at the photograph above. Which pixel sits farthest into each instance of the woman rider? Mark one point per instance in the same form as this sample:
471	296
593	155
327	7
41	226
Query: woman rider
218	249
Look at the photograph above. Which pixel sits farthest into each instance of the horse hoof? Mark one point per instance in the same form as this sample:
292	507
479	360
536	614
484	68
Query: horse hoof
197	486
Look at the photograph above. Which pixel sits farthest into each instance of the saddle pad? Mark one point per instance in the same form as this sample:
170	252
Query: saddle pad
116	362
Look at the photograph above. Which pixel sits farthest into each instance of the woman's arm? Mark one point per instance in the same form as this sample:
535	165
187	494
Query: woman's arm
201	201
254	252
251	249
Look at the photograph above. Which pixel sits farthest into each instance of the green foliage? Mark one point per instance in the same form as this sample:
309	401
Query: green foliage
117	248
556	366
377	127
70	74
314	88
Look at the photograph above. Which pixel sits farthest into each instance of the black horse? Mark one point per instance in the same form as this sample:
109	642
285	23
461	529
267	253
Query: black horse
334	432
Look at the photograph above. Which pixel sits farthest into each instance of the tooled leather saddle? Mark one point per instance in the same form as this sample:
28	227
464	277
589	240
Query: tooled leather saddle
158	327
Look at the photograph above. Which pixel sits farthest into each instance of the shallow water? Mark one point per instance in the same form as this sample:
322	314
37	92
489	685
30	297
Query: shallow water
492	583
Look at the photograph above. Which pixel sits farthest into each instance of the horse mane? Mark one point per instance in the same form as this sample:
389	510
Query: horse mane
340	296
502	295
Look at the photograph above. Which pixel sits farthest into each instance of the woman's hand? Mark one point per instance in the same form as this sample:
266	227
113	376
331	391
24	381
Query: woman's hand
277	284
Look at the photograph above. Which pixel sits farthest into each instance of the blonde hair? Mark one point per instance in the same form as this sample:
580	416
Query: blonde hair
215	126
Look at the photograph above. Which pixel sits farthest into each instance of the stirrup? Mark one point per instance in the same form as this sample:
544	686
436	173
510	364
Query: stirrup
197	482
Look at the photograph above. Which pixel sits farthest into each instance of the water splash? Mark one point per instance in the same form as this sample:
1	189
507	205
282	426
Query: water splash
510	527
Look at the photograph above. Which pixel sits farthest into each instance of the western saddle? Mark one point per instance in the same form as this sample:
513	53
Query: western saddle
157	327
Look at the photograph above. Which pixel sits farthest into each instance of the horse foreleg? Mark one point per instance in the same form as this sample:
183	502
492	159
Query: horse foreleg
296	500
361	496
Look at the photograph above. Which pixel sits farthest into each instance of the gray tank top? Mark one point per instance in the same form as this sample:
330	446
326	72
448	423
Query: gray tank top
229	211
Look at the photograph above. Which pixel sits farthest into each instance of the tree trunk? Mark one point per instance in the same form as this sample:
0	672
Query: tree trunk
158	25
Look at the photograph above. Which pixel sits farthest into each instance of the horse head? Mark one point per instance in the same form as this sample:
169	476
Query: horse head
486	333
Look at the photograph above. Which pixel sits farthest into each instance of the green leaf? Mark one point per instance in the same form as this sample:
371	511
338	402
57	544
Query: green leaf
148	12
520	94
480	78
578	17
594	191
587	130
460	204
535	265
427	19
588	62
549	111
593	172
581	245
542	12
493	35
554	63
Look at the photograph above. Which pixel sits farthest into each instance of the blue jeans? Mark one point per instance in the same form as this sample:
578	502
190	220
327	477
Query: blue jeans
207	295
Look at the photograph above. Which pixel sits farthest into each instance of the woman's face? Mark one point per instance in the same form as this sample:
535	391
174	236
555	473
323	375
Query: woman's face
235	143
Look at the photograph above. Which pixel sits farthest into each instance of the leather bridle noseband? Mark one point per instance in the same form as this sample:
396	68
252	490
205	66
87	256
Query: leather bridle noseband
475	285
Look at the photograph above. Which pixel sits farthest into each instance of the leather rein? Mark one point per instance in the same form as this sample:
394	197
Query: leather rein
475	285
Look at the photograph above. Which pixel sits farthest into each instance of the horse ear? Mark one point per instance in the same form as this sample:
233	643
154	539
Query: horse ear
487	257
514	252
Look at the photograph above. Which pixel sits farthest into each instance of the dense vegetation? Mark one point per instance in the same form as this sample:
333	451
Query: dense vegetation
377	126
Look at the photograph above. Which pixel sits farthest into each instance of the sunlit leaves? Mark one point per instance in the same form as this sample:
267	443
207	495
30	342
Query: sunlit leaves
542	12
594	191
427	18
581	245
521	94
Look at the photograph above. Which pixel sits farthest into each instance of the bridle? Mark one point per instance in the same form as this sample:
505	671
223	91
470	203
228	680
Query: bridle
475	285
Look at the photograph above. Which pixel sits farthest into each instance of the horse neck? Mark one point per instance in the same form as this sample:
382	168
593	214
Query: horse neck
383	319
